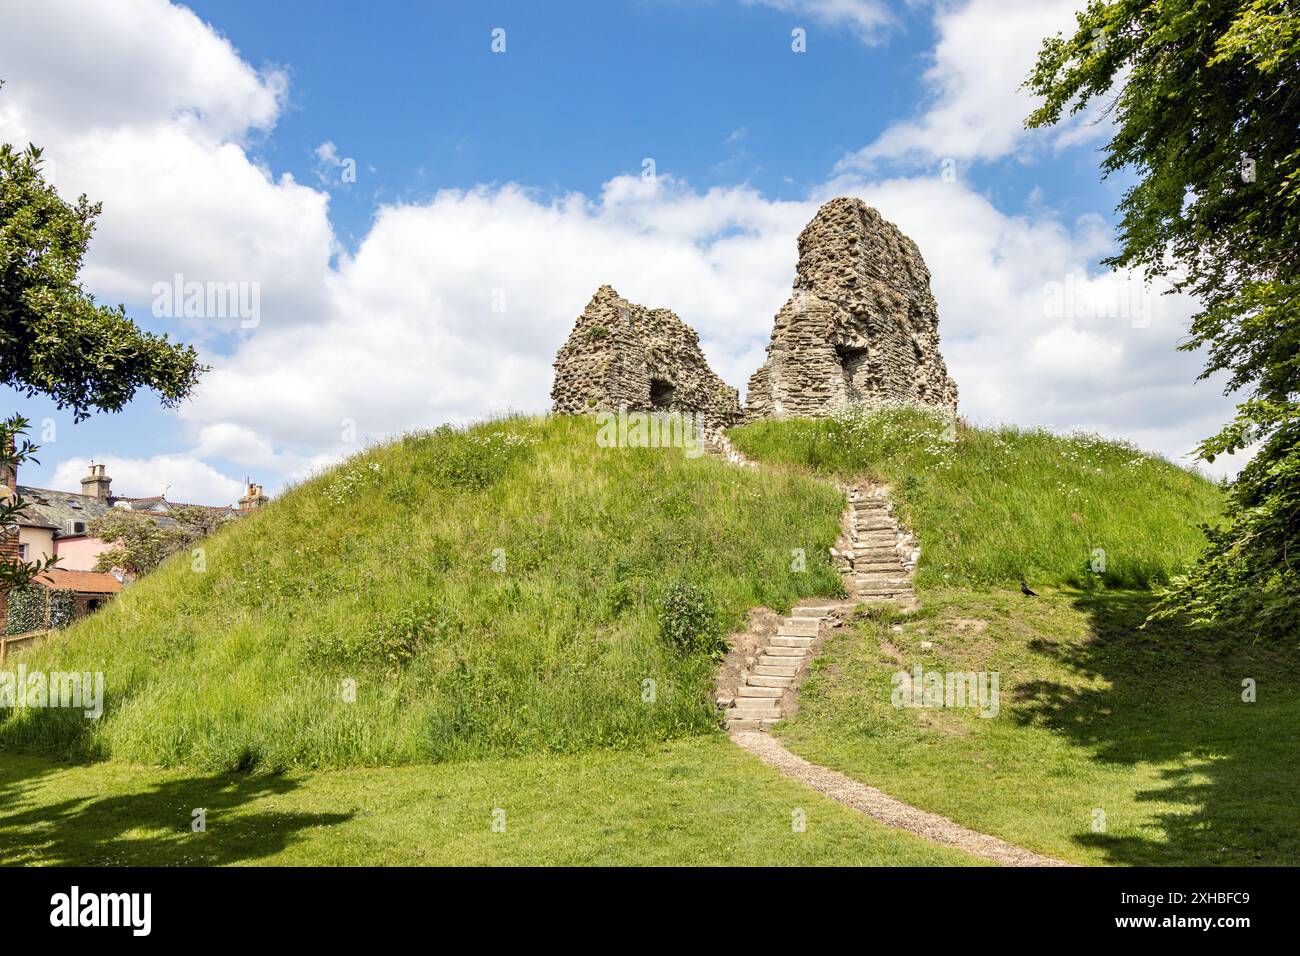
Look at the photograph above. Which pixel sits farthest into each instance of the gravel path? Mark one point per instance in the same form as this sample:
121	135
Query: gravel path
884	808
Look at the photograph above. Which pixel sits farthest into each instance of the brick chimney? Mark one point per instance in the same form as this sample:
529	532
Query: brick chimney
253	498
96	484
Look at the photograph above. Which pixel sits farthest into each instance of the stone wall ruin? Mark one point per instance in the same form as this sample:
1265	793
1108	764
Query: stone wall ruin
861	327
621	355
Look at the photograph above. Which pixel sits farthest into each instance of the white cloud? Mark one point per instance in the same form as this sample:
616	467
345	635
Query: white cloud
866	18
71	67
409	331
147	110
977	107
182	478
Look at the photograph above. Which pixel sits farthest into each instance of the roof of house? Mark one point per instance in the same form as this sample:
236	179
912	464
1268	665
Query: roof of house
159	503
83	582
47	508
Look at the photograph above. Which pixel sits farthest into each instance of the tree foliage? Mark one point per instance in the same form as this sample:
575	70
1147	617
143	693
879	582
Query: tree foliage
15	449
139	542
1203	95
54	339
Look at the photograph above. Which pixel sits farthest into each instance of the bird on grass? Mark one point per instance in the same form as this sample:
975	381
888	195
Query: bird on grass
1026	591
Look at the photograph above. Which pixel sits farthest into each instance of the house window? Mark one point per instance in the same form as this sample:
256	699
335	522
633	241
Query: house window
22	552
78	527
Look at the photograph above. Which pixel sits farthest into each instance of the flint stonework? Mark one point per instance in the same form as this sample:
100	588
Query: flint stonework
861	327
621	355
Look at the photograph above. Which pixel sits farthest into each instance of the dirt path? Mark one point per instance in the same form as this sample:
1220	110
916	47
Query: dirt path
877	558
884	808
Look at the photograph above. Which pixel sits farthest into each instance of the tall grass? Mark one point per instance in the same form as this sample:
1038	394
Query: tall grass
993	506
491	591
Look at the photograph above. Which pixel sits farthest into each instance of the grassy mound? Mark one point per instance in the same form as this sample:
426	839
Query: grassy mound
477	593
994	506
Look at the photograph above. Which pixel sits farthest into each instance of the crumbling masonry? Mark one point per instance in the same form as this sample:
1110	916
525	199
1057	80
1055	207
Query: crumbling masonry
861	327
621	355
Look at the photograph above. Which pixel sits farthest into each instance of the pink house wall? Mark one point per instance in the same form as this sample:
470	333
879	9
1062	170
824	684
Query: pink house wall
78	554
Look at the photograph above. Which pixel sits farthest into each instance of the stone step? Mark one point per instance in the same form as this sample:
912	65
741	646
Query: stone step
736	723
747	691
790	642
761	705
770	661
775	651
816	613
874	539
883	583
776	670
874	524
868	596
768	680
796	630
804	620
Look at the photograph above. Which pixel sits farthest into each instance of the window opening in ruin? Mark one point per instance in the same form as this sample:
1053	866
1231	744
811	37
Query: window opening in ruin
853	361
661	393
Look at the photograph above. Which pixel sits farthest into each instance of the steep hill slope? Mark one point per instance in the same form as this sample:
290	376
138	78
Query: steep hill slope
994	506
493	591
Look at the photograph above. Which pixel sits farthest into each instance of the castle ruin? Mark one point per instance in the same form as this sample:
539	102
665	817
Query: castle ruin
621	355
861	327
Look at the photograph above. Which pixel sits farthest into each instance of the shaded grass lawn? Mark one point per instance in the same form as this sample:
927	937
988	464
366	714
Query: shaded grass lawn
1147	727
691	802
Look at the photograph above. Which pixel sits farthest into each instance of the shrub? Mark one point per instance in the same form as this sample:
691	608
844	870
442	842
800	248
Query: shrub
401	635
688	619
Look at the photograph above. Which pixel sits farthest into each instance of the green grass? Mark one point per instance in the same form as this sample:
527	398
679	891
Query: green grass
994	506
691	802
1146	726
382	572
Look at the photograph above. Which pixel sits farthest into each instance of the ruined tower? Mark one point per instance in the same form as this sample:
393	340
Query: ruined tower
861	327
623	355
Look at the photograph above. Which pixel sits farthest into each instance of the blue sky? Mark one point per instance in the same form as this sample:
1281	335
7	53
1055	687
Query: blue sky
216	136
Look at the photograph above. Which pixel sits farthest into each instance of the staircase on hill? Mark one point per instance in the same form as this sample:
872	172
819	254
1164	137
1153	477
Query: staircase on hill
878	564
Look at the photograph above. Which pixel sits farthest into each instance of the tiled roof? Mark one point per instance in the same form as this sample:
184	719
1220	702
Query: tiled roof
83	582
56	509
47	508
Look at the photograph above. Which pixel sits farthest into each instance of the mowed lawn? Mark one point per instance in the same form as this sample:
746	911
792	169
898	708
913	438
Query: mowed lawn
1112	744
700	801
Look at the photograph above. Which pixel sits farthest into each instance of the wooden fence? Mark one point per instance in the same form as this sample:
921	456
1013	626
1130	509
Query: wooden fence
16	641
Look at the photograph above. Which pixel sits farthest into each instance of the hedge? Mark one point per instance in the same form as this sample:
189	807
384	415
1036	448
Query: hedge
27	608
